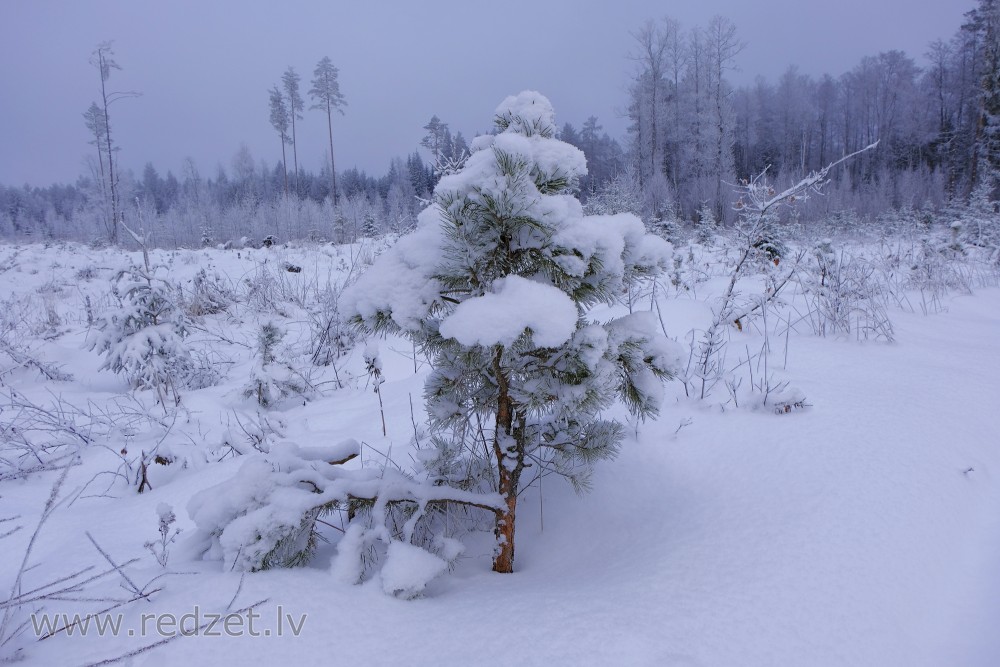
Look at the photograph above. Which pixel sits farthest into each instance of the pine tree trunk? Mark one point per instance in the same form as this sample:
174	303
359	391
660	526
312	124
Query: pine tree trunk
333	169
509	465
112	184
503	561
284	163
295	155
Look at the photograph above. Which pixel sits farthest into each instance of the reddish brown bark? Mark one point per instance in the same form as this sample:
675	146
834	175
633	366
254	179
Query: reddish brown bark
509	465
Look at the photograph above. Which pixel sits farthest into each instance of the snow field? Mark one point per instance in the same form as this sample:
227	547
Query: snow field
859	530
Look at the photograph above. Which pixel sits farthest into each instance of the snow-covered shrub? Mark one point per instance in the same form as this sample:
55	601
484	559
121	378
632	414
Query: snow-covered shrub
667	226
759	246
87	273
143	340
36	437
845	294
271	378
495	286
979	221
209	295
330	336
261	290
15	342
207	237
935	271
622	194
706	227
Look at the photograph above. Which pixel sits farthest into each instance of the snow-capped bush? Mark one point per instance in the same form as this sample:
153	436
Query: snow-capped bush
271	379
330	336
209	295
706	227
143	340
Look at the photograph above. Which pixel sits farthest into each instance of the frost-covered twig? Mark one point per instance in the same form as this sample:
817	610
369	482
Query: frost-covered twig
24	359
129	584
8	631
756	205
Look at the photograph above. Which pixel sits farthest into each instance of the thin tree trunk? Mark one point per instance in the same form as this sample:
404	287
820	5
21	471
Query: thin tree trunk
295	154
284	163
113	231
333	170
100	156
100	163
509	466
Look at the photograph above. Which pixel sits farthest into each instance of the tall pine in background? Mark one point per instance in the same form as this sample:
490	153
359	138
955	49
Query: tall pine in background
326	96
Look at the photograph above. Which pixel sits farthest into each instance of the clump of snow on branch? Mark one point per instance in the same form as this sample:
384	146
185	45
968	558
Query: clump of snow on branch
516	304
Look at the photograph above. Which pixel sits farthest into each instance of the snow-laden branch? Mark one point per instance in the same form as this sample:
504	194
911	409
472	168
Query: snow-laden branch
762	197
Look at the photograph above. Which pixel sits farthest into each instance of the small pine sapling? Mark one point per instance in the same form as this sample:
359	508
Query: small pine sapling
144	339
705	228
496	285
979	223
271	379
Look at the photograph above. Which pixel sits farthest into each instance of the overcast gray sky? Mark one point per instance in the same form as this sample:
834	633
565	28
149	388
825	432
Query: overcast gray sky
205	66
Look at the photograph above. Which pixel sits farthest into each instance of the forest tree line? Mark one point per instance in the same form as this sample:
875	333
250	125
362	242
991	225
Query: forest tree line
692	136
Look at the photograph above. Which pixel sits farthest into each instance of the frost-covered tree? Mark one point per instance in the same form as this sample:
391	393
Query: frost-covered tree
982	29
326	96
497	286
271	379
648	91
290	81
723	47
706	225
434	140
978	222
622	194
280	121
97	125
103	58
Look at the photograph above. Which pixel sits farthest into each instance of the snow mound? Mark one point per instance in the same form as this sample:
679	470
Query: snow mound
408	569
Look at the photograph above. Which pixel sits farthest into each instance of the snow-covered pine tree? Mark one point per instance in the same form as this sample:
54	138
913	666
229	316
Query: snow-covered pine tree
144	339
978	223
496	286
270	378
706	227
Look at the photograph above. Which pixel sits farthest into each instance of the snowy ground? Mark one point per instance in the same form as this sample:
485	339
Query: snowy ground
863	529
